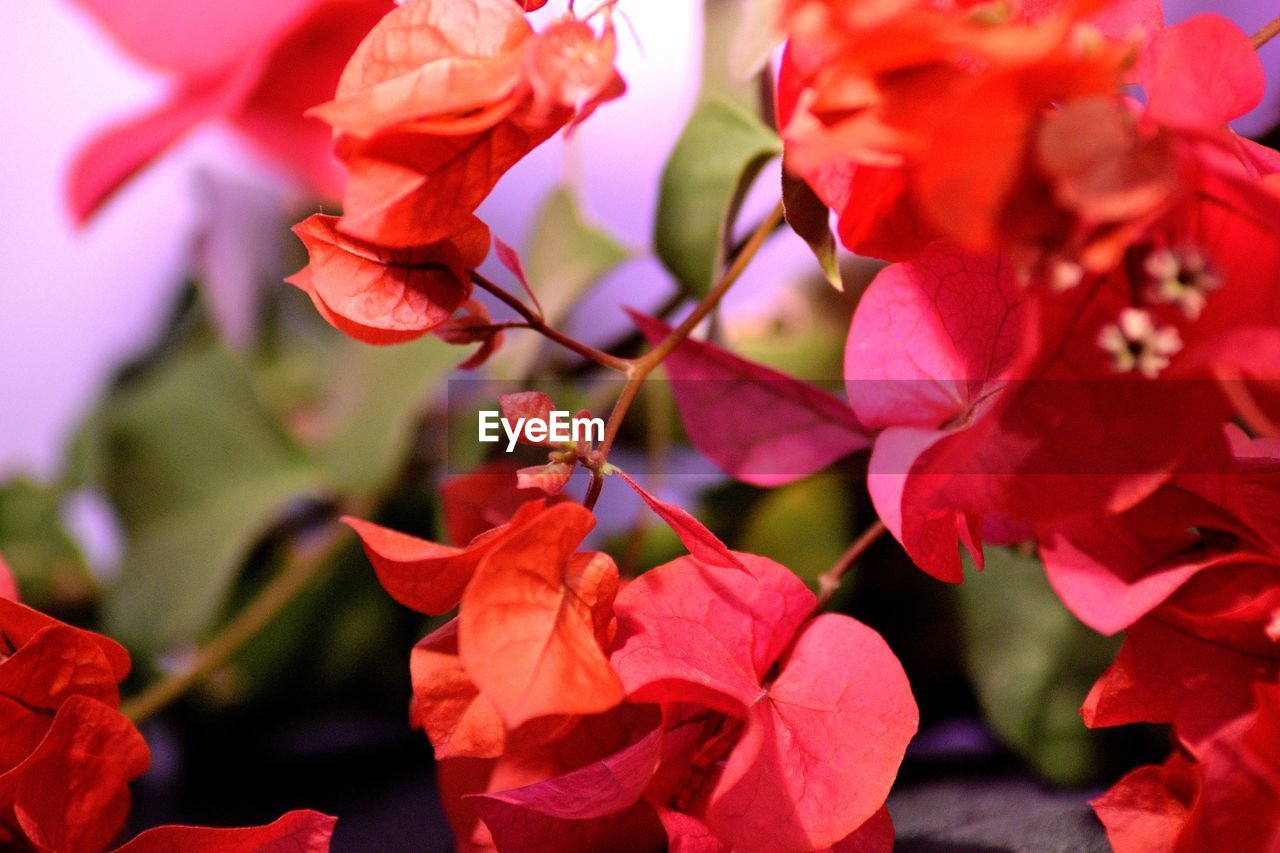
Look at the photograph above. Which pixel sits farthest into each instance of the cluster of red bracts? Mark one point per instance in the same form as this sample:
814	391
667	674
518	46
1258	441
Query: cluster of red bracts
439	101
1192	576
701	705
68	754
1084	298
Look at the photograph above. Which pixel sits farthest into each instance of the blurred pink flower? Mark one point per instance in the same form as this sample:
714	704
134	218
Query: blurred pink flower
258	66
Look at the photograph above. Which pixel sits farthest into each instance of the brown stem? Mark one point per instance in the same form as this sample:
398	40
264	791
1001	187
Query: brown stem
1269	30
829	582
539	325
639	369
302	567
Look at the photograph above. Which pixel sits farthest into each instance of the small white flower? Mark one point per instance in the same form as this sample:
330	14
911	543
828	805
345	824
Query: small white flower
1181	277
1136	344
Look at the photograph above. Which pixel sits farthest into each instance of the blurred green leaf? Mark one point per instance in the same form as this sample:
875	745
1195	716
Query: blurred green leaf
805	525
373	402
1032	664
718	155
198	471
49	566
565	258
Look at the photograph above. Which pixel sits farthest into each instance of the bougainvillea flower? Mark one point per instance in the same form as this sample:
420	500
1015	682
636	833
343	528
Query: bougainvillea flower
930	349
72	791
1193	575
424	575
295	832
1225	797
482	499
257	68
1033	404
1218	512
1194	660
536	617
67	755
938	105
807	428
554	475
387	296
442	98
766	742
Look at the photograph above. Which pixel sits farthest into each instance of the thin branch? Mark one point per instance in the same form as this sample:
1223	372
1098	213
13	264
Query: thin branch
539	325
1269	31
829	582
639	369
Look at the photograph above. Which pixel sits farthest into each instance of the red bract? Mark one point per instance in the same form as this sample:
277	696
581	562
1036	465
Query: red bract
423	575
914	120
1061	401
1219	512
779	731
701	542
806	430
552	477
1194	660
534	619
258	68
442	98
1227	797
68	755
482	499
929	349
295	832
387	296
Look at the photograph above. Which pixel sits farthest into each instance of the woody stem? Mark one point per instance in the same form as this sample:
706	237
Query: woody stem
534	321
1269	31
829	582
639	369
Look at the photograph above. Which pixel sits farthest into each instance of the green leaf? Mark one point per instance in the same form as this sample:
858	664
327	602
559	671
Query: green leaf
718	155
48	564
565	258
805	525
1032	664
198	471
811	220
373	403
